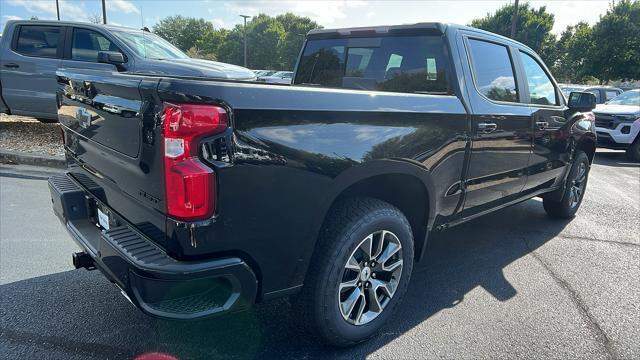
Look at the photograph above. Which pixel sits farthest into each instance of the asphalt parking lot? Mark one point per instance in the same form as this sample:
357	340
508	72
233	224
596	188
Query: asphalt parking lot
514	284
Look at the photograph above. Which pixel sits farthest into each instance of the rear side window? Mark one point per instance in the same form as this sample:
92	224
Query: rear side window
541	89
40	41
86	45
610	94
493	70
597	95
407	64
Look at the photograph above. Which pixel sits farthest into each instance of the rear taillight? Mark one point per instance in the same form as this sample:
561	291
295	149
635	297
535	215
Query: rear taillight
190	185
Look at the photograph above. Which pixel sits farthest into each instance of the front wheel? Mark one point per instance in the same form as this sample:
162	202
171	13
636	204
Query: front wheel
575	187
359	273
633	152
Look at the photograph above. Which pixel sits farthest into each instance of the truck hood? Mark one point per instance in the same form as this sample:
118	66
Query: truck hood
617	109
205	68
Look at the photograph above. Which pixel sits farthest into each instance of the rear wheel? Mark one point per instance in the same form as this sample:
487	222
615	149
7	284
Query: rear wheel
359	273
633	152
574	190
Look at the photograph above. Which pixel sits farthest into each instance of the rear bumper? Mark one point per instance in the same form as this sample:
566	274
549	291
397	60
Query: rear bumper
152	280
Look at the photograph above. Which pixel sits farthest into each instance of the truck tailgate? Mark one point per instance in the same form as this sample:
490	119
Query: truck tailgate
103	119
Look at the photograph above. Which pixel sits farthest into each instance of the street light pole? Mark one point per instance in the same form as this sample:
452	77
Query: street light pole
104	13
245	37
514	20
58	10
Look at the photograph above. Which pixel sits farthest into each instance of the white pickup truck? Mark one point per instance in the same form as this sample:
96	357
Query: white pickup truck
618	123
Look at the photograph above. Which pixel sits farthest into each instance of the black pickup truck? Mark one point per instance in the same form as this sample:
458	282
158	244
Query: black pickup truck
199	197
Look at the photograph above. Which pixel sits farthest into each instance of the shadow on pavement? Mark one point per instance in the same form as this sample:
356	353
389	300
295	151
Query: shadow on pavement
79	312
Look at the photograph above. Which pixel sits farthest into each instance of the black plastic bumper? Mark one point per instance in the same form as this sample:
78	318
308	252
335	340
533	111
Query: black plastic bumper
152	280
606	141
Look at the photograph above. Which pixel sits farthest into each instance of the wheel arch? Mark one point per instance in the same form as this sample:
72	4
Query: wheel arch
392	181
588	145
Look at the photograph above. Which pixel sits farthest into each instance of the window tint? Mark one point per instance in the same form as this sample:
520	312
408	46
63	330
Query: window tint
39	41
87	44
493	71
541	88
411	64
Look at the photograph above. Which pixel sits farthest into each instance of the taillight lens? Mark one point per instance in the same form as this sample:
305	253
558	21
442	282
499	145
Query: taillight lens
190	185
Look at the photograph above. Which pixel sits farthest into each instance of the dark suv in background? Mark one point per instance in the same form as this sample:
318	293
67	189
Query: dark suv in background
32	51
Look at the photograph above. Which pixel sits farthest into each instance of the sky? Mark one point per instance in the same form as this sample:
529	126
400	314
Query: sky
328	13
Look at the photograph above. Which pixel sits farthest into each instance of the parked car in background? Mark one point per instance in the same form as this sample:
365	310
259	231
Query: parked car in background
281	77
568	88
32	51
262	73
219	194
602	93
618	123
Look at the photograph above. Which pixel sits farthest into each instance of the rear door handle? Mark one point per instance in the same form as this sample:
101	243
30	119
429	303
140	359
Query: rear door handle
11	66
487	127
542	125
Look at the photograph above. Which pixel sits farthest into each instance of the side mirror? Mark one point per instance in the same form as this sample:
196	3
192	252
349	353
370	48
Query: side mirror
111	57
581	101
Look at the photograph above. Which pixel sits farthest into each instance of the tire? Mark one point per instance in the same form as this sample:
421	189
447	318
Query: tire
574	190
352	225
633	152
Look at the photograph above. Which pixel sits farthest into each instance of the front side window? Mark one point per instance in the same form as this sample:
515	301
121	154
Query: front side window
493	71
87	43
541	89
40	41
407	64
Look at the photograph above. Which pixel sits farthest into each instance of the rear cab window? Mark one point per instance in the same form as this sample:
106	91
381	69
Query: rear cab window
38	41
405	64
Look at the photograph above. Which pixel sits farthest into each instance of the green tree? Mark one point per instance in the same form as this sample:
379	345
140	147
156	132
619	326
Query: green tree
272	43
617	38
533	27
265	35
574	48
295	30
183	32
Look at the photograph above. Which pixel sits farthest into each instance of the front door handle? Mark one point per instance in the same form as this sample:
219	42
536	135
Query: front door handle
542	125
487	127
11	66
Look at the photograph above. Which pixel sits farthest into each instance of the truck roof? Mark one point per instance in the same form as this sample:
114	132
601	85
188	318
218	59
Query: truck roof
429	28
69	23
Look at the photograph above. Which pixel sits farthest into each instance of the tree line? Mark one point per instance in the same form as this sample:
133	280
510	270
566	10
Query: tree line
608	50
272	42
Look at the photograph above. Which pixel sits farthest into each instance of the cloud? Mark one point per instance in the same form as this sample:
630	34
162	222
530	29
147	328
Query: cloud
125	6
45	9
323	12
219	23
11	17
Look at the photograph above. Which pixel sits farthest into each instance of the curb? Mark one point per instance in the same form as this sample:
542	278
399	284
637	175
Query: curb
17	157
